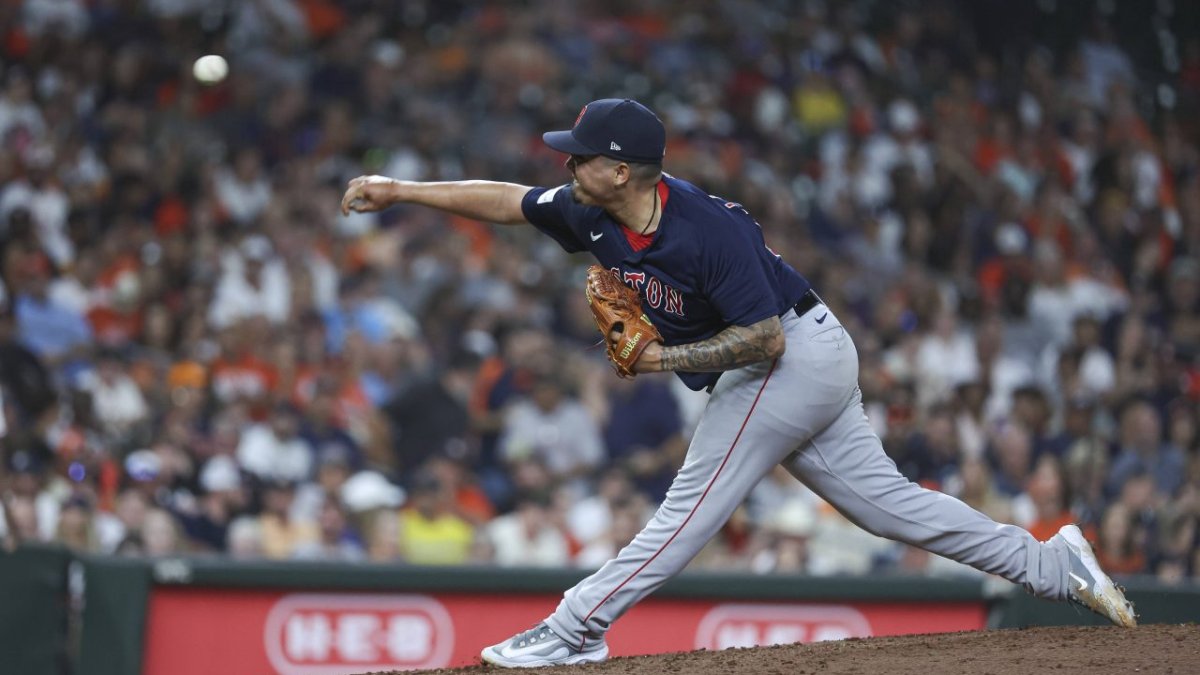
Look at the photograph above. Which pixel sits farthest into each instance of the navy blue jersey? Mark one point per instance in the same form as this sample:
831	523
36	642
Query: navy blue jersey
706	269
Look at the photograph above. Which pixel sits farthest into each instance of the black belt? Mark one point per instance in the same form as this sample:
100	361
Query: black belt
809	300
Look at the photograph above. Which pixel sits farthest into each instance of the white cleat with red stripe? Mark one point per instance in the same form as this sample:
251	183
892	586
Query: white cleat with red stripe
540	646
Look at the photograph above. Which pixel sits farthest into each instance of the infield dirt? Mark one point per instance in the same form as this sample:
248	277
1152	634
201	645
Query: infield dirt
1059	650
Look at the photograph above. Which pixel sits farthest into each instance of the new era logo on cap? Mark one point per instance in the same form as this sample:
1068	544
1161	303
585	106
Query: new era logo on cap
619	128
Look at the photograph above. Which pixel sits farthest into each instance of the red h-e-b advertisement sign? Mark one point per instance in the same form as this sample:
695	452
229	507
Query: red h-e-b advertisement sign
193	631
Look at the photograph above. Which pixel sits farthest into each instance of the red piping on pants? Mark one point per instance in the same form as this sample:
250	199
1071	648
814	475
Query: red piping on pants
711	482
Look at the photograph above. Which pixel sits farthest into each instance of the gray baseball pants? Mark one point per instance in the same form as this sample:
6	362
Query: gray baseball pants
803	410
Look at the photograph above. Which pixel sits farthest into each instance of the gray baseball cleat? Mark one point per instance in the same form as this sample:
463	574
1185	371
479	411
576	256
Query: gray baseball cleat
540	646
1089	586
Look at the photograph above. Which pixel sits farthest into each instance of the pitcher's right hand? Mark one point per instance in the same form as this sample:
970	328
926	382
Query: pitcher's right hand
369	193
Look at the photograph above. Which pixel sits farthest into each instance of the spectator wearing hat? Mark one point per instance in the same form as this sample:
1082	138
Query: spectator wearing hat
900	145
254	283
154	472
221	497
30	494
76	527
430	531
371	501
783	543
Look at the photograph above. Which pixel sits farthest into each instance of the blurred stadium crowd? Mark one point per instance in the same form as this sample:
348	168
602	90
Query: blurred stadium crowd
199	354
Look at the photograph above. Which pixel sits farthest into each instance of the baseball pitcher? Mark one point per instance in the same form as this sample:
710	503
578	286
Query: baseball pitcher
729	316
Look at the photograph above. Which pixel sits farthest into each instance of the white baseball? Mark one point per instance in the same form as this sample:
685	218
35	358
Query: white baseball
210	69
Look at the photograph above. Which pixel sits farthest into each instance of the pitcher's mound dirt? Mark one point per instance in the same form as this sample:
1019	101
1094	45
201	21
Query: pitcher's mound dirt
1032	651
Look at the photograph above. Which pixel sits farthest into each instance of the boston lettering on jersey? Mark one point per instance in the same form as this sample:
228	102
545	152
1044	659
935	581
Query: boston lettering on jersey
706	268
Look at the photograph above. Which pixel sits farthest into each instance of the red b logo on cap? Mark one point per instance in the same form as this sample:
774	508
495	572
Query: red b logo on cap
581	112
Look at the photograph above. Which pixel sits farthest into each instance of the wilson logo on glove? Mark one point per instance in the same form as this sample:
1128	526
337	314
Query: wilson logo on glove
618	309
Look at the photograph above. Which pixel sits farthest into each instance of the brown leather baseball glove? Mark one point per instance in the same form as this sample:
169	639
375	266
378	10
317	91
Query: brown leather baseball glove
616	307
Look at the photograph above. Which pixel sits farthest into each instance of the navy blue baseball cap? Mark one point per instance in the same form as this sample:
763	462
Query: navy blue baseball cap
614	127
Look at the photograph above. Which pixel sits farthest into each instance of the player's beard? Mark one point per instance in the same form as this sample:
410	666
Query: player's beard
582	195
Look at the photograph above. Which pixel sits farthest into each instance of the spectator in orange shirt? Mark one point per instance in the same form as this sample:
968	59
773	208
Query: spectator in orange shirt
1047	491
1117	547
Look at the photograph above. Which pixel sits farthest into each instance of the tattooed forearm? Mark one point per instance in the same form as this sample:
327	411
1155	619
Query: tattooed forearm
733	347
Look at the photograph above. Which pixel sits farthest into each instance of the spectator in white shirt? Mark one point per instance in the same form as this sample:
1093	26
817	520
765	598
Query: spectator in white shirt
274	450
945	357
254	282
244	191
47	203
527	538
555	428
117	401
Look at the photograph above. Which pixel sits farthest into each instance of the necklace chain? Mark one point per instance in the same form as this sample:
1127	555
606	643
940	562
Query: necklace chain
653	212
